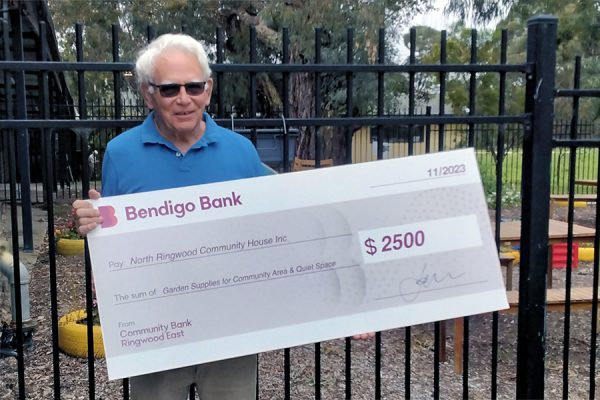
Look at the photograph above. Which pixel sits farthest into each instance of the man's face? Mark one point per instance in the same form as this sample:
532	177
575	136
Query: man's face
182	113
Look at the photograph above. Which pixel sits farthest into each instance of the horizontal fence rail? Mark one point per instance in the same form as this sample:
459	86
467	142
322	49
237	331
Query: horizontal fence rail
61	66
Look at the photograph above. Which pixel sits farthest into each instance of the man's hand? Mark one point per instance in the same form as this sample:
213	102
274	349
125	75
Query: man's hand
364	336
88	217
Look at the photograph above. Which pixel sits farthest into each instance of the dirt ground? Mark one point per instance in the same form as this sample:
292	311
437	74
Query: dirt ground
74	371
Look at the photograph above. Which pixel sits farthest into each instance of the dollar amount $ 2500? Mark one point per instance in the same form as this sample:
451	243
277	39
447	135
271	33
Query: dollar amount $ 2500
395	242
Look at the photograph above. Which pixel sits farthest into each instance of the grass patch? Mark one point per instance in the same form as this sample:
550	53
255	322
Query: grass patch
586	167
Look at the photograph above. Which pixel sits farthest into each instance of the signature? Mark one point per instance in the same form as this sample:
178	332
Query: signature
411	287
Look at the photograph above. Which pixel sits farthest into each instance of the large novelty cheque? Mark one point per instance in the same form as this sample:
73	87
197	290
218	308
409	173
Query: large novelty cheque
209	272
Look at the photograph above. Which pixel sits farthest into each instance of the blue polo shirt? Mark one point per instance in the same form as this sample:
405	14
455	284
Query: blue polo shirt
141	160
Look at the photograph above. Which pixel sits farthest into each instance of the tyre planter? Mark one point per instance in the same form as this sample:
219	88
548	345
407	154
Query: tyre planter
586	254
72	335
576	204
70	247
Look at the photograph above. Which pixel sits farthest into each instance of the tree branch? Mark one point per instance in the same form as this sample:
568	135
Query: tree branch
264	33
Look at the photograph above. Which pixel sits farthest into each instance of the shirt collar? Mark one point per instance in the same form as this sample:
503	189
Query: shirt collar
150	134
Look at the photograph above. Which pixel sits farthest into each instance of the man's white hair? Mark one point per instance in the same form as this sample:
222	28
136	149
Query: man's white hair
144	66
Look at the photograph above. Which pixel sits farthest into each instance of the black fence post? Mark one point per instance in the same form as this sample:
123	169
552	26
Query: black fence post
22	134
286	101
537	152
219	75
349	102
318	109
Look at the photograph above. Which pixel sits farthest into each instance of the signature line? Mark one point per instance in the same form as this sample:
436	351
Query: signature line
431	290
419	180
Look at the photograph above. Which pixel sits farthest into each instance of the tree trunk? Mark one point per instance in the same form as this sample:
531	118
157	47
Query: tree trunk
302	104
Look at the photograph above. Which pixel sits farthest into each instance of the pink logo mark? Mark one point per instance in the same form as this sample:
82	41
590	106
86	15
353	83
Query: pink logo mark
108	216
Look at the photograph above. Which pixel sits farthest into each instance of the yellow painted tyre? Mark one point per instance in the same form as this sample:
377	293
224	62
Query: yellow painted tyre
72	337
70	247
586	254
576	204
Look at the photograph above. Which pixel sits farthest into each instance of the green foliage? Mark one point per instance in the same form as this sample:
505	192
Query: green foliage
479	11
585	168
458	51
511	178
578	35
511	196
200	18
65	222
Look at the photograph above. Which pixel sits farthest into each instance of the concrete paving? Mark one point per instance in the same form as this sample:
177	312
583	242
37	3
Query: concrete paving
27	258
39	225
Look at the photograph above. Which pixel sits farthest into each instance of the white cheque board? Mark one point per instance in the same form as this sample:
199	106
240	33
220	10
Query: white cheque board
209	272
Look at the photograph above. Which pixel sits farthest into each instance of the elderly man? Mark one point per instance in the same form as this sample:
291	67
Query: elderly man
177	145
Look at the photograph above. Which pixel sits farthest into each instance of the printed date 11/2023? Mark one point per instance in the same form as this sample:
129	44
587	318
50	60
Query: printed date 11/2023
447	170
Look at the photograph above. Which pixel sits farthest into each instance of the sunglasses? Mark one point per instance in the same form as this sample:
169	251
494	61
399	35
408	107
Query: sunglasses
173	89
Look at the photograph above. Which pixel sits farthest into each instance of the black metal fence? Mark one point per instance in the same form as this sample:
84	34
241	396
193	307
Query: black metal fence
577	145
68	163
494	359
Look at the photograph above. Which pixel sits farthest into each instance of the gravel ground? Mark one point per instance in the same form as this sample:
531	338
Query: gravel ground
74	371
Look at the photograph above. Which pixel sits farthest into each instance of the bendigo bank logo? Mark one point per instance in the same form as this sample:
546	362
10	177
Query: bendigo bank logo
109	218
